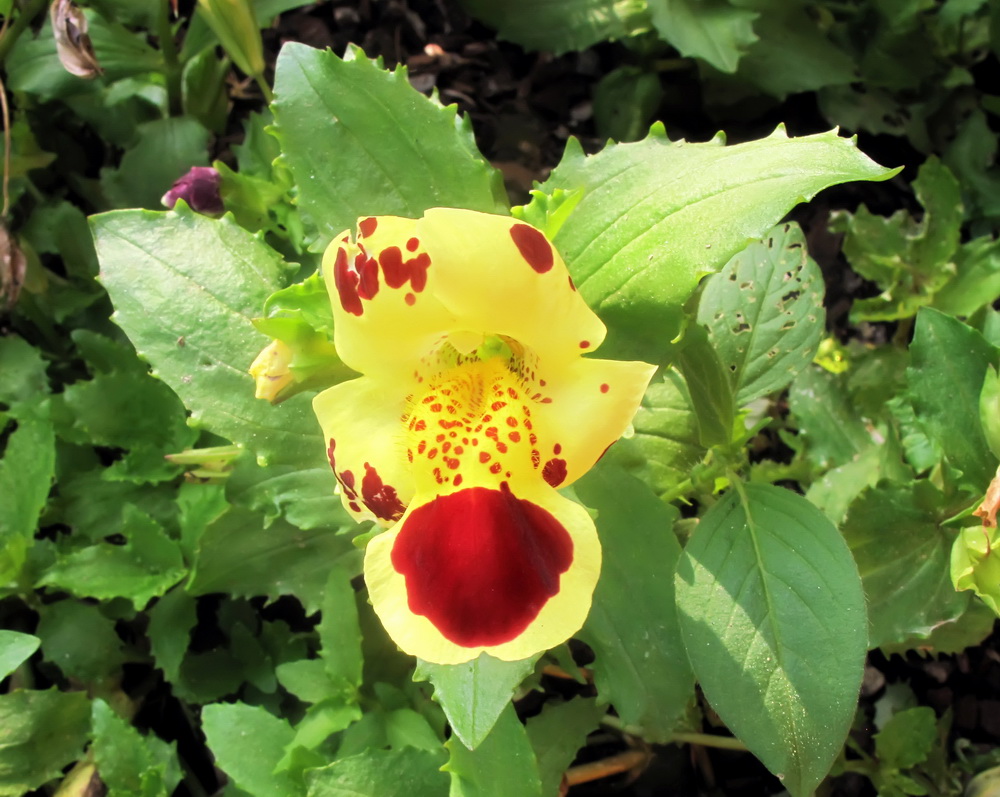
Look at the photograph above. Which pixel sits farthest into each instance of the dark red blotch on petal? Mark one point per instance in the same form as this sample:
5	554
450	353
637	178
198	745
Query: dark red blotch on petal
380	498
480	564
346	281
367	226
554	471
533	247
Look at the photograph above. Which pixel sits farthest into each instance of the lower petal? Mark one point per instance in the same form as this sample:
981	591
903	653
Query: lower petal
484	570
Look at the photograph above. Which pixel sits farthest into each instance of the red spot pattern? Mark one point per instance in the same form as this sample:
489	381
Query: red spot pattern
398	272
554	472
605	388
481	582
367	226
380	498
584	344
533	247
346	281
360	280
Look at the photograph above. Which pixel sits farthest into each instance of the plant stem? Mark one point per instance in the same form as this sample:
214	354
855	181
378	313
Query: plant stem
18	25
171	64
708	740
606	767
264	88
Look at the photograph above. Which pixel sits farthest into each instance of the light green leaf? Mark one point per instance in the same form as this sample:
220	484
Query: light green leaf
15	649
185	288
130	764
339	632
949	361
474	694
40	733
247	743
386	773
641	665
711	387
773	616
659	215
977	279
26	473
238	555
907	738
23	370
361	141
561	25
764	312
504	765
975	563
304	497
557	734
827	420
713	30
902	553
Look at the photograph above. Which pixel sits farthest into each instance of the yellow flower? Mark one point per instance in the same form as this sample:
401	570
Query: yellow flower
270	371
475	404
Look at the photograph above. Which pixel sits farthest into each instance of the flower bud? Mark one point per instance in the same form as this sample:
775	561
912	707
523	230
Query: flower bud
270	371
73	46
200	189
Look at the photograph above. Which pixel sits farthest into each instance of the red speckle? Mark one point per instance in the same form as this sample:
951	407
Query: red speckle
329	454
452	463
484	456
571	283
496	467
346	281
380	498
511	421
480	564
354	506
541	382
515	437
432	453
367	226
347	479
398	272
436	408
554	472
410	299
605	388
412	244
557	449
502	447
533	247
367	270
498	405
420	425
458	479
584	344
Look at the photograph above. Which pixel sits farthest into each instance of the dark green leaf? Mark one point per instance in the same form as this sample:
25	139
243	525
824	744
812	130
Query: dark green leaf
503	765
474	694
713	30
361	141
827	420
711	387
339	632
557	734
386	773
81	641
185	289
764	312
625	102
773	617
130	764
170	622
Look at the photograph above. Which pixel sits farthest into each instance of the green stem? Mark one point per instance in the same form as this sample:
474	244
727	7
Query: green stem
171	64
265	89
703	739
17	27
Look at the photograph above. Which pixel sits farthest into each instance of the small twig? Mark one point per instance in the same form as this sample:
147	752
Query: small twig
680	737
558	672
6	144
615	765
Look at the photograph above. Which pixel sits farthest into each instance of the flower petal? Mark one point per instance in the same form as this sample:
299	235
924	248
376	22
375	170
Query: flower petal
484	570
369	461
587	405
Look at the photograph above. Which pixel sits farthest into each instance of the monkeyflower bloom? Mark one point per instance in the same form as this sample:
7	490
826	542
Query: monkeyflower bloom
474	405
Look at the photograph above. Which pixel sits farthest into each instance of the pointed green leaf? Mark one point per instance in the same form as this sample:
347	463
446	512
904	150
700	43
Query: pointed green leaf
128	762
386	773
339	632
185	288
713	30
557	734
504	765
361	141
658	215
773	617
641	666
15	649
474	694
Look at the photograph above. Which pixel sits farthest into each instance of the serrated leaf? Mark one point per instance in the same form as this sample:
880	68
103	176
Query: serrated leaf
474	694
827	420
387	773
40	733
557	734
23	371
659	215
713	30
641	665
304	497
171	620
561	25
948	365
907	738
773	617
764	312
15	649
238	555
902	553
361	141
339	632
247	743
504	765
185	290
130	764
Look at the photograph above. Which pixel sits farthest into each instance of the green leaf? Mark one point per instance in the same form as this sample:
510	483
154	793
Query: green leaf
976	281
15	649
474	694
185	289
81	641
361	141
560	25
26	473
975	563
147	565
773	617
641	665
712	30
387	773
659	215
165	150
948	366
23	370
827	419
557	734
339	632
238	555
304	497
171	620
130	764
247	743
504	765
907	738
764	312
710	385
902	553
625	102
40	733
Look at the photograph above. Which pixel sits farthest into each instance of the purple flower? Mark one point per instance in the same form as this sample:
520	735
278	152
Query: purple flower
199	188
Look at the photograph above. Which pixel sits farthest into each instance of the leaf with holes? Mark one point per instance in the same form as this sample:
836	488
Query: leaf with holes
764	312
773	618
